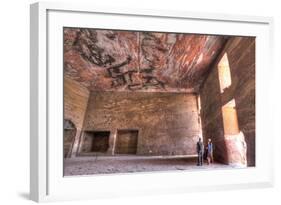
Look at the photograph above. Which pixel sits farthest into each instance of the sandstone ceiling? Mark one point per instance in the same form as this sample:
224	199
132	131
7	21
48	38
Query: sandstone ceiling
138	61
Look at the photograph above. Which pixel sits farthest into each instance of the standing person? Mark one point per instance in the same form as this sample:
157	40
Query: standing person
205	155
210	151
200	151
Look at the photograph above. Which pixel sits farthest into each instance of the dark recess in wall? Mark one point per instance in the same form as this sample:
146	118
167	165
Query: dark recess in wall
126	142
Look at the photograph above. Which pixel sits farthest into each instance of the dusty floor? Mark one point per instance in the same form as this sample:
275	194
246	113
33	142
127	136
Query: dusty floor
125	164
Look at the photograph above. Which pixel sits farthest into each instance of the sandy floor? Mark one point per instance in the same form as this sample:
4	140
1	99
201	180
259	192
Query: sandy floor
125	164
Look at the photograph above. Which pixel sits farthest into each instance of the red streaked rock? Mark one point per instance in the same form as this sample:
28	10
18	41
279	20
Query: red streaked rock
111	60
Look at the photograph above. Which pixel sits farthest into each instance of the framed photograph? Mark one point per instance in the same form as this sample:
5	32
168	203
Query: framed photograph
127	102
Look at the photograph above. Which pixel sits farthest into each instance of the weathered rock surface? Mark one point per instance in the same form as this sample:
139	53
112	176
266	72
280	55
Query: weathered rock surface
138	61
111	165
241	57
167	123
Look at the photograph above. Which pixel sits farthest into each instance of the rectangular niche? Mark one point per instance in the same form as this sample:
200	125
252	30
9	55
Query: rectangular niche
96	141
126	142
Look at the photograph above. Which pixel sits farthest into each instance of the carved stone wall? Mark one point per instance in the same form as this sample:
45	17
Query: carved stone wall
167	123
75	105
241	57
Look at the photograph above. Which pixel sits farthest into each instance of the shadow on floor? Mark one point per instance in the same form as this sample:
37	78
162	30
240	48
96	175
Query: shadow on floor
24	195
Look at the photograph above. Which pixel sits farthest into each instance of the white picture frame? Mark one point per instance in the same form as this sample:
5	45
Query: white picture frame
46	178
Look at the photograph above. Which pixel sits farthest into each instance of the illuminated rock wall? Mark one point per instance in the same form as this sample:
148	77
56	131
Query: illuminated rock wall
241	56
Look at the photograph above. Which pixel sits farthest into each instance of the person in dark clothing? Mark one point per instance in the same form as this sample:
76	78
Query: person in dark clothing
205	155
200	152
